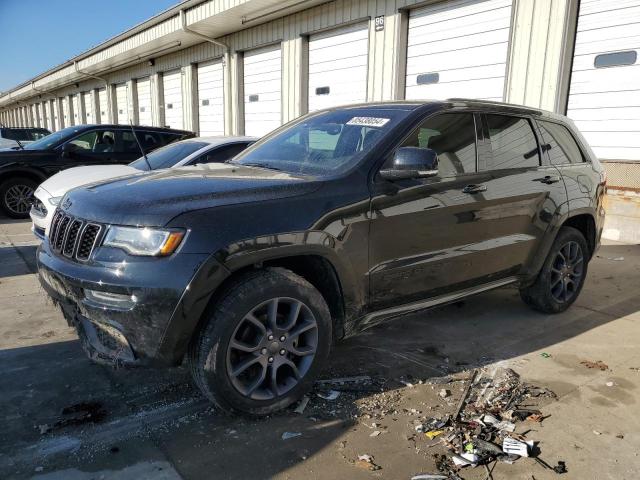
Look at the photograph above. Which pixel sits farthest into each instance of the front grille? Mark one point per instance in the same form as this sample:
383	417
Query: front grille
73	237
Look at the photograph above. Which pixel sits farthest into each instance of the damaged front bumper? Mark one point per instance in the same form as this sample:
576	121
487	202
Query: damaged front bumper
121	310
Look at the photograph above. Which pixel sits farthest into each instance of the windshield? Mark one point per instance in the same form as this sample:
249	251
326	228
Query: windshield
323	144
53	139
23	134
168	156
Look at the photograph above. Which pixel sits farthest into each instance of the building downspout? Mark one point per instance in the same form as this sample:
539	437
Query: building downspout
226	61
107	89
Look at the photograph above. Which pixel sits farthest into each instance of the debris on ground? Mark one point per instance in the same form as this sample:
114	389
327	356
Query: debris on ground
429	476
444	393
330	395
77	414
545	355
599	365
302	405
366	462
288	435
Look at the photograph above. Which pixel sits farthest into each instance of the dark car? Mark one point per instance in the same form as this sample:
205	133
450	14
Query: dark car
333	223
15	137
21	171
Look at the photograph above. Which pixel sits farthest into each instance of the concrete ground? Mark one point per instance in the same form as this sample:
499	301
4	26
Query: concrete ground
154	424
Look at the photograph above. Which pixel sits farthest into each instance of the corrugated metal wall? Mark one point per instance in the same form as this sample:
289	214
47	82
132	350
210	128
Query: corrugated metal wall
535	60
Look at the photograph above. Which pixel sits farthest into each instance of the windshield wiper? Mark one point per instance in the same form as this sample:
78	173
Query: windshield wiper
260	165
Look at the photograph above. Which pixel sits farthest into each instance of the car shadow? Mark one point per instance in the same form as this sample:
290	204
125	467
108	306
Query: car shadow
200	442
14	265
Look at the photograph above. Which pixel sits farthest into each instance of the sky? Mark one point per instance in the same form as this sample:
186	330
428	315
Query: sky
36	35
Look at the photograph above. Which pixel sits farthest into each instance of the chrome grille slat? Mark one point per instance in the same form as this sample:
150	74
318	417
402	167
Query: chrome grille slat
61	233
88	241
54	226
71	238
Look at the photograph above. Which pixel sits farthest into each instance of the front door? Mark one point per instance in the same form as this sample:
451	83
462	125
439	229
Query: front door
96	147
423	231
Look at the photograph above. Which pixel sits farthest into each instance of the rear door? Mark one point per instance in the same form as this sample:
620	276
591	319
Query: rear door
521	195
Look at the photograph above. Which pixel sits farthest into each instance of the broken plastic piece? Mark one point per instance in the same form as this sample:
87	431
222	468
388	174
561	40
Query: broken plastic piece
430	476
516	447
288	435
330	395
302	405
465	459
433	434
444	393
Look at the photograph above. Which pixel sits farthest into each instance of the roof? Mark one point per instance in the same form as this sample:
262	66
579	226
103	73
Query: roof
220	139
136	127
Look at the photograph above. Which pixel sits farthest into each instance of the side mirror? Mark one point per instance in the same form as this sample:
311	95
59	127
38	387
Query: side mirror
412	162
67	149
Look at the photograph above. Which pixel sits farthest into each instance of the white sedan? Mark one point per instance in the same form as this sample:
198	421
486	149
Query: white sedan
186	152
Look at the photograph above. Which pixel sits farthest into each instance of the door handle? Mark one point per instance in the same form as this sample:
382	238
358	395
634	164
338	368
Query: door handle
549	179
474	188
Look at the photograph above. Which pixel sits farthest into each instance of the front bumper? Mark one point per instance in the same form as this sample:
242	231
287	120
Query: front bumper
138	332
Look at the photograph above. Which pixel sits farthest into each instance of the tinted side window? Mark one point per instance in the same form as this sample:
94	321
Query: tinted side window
150	140
221	154
452	136
129	143
513	142
560	144
168	138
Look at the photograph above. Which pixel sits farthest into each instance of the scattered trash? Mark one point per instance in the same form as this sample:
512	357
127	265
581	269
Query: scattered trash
433	433
512	446
615	259
302	405
600	365
609	384
545	355
466	459
430	476
596	432
357	379
620	436
375	433
560	468
330	395
637	369
288	435
366	462
77	414
535	417
444	393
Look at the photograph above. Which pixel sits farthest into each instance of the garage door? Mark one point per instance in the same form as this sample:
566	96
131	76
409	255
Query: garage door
604	95
172	86
42	113
211	98
338	67
145	115
87	101
262	90
34	115
66	114
458	49
57	117
103	102
75	102
122	106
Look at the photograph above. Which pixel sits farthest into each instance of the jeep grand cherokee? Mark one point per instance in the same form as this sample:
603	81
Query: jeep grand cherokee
330	224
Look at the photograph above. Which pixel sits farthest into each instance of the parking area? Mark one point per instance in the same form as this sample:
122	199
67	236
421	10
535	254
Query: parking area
64	417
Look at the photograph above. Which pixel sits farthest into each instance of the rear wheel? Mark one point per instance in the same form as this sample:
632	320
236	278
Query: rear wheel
265	341
562	276
16	196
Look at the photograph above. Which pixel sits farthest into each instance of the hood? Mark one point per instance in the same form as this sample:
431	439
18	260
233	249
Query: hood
154	198
64	181
8	155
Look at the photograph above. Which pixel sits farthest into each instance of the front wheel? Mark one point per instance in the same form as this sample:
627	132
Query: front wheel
265	340
562	276
16	196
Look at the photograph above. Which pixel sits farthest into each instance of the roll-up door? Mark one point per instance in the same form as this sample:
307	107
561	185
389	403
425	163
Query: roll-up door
458	49
57	117
211	98
87	101
262	90
103	102
42	115
122	106
338	66
145	114
34	115
172	87
75	104
604	95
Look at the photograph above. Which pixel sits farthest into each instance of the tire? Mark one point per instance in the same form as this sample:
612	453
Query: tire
16	196
217	364
559	283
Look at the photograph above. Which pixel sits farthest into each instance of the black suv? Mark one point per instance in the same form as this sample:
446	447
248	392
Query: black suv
21	171
330	224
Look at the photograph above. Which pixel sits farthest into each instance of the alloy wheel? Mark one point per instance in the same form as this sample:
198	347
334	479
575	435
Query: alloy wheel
567	271
272	348
18	199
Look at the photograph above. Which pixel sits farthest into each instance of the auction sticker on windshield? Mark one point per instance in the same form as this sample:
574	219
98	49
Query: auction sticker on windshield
368	121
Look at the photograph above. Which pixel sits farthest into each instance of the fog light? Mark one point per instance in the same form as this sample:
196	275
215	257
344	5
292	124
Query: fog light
108	299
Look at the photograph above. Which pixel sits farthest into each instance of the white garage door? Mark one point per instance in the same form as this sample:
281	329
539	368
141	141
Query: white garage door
34	115
458	49
262	90
122	105
211	98
103	102
87	101
338	67
57	117
145	115
66	114
76	110
172	86
604	96
43	116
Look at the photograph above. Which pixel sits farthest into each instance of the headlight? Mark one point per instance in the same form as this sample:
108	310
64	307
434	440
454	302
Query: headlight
144	241
54	201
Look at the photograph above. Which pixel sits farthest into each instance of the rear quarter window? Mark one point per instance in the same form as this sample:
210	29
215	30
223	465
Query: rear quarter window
560	144
513	143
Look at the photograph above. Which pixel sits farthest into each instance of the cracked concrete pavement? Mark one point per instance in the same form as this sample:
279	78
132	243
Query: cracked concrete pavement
158	426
